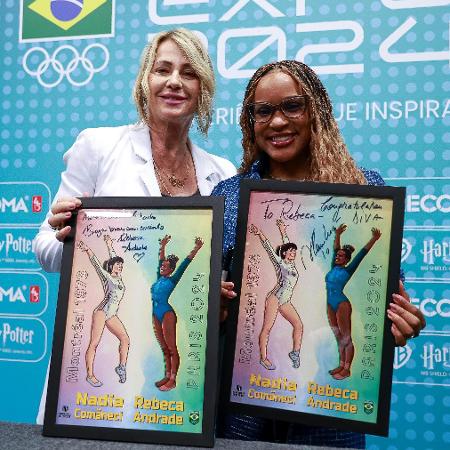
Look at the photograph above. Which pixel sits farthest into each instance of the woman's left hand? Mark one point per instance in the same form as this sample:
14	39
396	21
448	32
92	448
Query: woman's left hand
407	319
376	234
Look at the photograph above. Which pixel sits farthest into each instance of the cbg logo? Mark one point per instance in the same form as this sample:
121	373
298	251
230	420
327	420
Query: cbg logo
194	417
368	406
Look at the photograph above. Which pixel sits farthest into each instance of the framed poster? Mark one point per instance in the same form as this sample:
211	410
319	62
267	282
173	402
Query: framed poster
136	334
315	265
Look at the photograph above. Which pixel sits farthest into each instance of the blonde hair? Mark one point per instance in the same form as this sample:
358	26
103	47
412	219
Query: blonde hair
329	159
199	59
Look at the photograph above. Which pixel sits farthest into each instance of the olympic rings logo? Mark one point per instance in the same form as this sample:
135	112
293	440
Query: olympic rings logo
64	71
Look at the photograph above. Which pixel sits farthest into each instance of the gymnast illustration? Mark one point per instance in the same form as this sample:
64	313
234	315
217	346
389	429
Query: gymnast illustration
105	314
339	308
164	316
278	300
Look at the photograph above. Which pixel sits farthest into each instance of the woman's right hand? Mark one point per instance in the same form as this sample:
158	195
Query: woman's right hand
61	213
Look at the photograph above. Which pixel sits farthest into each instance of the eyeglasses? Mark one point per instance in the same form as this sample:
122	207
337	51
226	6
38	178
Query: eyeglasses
292	107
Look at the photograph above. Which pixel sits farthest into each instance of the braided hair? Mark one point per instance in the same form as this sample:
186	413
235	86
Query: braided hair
329	159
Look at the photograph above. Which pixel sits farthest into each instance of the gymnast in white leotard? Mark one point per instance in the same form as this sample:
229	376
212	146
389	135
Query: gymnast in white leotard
105	314
279	298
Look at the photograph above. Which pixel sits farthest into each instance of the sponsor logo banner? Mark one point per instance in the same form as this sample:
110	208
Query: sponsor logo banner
22	339
426	198
23	203
24	294
424	360
432	299
17	249
426	254
43	20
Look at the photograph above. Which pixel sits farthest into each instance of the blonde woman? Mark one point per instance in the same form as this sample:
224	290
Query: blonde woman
154	157
175	86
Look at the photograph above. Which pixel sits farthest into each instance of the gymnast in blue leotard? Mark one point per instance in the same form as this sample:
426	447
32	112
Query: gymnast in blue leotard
164	316
339	308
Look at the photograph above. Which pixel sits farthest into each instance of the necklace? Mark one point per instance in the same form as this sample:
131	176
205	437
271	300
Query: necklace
175	181
171	177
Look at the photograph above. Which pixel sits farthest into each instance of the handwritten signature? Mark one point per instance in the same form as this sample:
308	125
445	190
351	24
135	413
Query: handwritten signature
285	209
316	245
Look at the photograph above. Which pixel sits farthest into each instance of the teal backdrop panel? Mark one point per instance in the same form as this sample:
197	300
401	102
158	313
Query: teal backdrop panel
386	66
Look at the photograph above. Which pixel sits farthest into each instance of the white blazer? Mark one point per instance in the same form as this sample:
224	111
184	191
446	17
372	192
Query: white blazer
117	161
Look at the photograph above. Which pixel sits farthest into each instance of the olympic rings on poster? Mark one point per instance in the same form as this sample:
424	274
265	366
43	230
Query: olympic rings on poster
64	70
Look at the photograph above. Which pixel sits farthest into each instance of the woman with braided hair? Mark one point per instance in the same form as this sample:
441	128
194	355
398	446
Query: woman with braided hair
290	133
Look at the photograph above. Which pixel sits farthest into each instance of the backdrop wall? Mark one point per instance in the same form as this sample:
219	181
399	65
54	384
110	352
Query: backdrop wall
386	66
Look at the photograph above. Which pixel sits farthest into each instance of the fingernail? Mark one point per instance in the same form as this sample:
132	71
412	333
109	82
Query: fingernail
68	214
395	307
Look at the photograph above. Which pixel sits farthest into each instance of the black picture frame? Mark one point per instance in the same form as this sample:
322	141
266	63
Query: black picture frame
256	389
151	219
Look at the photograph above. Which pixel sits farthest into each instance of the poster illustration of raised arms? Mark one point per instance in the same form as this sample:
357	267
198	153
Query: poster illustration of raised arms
136	322
316	265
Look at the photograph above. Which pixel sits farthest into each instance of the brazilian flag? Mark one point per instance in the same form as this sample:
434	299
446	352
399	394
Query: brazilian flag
48	20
